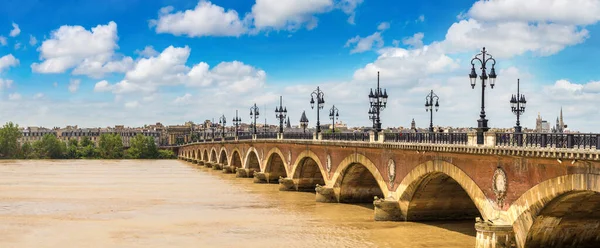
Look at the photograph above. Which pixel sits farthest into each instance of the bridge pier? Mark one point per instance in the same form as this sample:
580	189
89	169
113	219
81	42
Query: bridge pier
208	164
287	184
217	166
244	173
387	210
200	163
228	169
491	235
325	194
260	177
194	161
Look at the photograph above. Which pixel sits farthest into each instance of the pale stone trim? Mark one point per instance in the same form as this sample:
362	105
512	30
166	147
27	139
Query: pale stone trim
276	150
245	162
524	210
411	181
230	158
357	158
313	156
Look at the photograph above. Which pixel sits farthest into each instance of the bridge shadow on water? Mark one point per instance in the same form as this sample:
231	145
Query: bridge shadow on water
466	227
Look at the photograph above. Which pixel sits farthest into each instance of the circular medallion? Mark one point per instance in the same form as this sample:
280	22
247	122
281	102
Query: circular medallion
500	185
391	171
328	163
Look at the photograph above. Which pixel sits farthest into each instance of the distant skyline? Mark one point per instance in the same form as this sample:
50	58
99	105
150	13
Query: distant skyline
106	63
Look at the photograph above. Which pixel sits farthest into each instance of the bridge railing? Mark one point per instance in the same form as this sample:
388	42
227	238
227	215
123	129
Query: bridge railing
268	135
432	138
346	136
550	140
244	136
298	135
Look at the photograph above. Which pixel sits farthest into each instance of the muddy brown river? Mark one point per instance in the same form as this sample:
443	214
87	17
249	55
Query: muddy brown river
170	203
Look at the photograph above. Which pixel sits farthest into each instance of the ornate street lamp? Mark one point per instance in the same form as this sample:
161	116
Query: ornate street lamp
223	122
517	105
334	114
280	113
254	114
378	101
236	121
320	101
429	107
265	126
303	121
483	59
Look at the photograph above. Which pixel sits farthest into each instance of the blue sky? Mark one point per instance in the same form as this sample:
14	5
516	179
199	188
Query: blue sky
205	58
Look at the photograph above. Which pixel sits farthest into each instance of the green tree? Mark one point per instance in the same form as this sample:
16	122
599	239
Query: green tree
142	147
86	141
27	151
50	147
166	154
88	152
9	136
110	146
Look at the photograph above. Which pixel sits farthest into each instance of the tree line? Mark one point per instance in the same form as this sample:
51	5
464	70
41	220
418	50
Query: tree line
110	146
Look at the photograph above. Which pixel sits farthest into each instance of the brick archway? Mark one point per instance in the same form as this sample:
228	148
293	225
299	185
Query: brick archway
297	165
213	155
268	157
524	212
205	157
432	170
221	151
235	159
249	161
231	157
360	173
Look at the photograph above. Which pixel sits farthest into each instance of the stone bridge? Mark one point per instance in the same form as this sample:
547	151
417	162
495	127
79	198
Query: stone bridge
517	196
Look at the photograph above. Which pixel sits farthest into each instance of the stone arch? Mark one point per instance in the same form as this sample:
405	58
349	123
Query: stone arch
275	165
551	202
440	190
213	155
357	180
297	165
235	160
205	157
252	159
307	173
223	157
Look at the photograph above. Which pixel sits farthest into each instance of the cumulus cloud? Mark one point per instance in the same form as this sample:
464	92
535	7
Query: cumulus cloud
38	95
363	44
3	41
185	99
5	83
132	104
14	96
415	41
208	19
32	40
74	85
7	61
147	52
89	53
570	12
15	31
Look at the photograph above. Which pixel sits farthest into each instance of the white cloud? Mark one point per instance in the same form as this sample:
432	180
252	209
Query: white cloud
3	41
512	38
571	12
32	40
90	53
74	85
38	96
7	61
15	31
102	86
147	52
206	19
5	83
421	18
365	44
17	46
14	96
415	41
185	99
132	104
383	26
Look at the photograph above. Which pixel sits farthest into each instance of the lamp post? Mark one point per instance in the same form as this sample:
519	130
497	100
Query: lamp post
334	114
517	105
280	113
223	122
483	59
254	114
265	126
429	107
378	101
303	121
236	121
320	101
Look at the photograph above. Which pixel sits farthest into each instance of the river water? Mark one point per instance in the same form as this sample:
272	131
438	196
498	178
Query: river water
169	203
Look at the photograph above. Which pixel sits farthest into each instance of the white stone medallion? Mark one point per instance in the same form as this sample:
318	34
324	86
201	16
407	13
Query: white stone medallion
500	185
328	165
391	166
